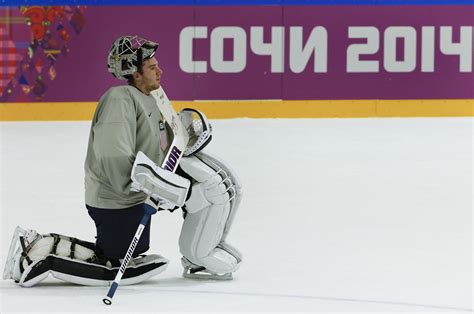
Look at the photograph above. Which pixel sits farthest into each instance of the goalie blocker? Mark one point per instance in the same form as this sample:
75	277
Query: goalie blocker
165	188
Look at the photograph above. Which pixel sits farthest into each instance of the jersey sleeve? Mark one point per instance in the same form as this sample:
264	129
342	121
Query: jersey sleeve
115	141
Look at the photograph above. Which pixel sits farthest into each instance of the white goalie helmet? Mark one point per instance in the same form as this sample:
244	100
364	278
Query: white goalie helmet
127	54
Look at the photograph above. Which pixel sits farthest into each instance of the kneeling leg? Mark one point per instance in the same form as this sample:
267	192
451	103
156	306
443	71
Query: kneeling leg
33	257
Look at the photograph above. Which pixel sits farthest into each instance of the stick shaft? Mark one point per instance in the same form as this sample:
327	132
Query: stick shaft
149	210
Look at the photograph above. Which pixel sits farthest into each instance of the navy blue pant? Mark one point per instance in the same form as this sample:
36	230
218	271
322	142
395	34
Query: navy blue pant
116	228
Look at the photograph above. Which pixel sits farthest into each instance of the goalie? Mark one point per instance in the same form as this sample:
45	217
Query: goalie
129	138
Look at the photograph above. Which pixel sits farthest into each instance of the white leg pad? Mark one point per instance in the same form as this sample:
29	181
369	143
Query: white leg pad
200	237
210	211
235	192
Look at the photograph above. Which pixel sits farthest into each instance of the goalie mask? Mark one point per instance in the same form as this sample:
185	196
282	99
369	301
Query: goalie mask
127	54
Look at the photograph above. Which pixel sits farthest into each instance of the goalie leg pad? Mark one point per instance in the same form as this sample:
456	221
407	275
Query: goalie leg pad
210	211
230	178
33	257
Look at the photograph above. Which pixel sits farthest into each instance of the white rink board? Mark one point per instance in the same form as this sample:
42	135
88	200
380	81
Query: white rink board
339	215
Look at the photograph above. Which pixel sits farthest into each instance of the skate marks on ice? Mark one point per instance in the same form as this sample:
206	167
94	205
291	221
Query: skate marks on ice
408	305
170	289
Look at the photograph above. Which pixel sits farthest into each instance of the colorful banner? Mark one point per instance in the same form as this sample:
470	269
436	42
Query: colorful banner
245	52
235	2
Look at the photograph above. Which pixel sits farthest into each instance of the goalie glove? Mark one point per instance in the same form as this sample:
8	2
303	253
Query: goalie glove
165	188
199	130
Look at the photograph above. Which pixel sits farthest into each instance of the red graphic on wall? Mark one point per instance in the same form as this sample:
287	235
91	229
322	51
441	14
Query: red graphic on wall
28	58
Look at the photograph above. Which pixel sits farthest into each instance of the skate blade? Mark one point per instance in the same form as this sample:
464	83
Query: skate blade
207	276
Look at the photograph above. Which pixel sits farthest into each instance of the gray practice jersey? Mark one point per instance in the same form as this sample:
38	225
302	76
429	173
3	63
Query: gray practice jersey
126	121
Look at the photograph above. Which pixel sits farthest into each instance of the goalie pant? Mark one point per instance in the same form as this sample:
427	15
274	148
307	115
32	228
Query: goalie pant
32	257
215	197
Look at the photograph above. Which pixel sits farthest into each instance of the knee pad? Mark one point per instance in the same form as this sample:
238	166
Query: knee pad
33	257
214	200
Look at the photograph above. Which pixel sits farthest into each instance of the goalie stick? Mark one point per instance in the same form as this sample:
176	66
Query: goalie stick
171	161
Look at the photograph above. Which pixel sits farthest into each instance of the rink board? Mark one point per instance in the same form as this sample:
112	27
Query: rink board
279	60
260	109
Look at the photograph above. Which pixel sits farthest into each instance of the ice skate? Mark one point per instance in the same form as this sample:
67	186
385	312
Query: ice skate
192	271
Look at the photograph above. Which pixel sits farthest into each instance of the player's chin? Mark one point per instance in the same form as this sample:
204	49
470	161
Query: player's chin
155	86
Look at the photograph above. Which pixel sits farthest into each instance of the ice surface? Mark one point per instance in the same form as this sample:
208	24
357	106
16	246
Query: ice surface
339	215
